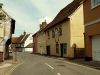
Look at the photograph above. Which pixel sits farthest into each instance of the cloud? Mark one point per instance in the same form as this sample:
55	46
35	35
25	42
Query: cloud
48	20
50	7
24	21
30	13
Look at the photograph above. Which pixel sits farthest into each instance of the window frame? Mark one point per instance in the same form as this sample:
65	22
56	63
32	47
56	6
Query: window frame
65	48
60	31
93	5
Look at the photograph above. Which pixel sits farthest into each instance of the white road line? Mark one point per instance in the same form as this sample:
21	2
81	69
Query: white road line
58	74
49	65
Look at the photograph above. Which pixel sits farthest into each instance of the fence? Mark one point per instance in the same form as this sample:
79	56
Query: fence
79	52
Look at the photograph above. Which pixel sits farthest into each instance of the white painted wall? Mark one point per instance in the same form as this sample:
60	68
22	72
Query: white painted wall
29	50
5	30
28	40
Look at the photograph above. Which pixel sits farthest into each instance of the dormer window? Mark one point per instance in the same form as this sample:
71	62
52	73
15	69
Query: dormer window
95	3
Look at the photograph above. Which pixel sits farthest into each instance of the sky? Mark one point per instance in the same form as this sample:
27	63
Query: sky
30	13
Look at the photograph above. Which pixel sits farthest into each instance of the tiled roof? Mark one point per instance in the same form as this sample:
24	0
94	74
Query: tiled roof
14	40
29	45
24	38
64	13
20	39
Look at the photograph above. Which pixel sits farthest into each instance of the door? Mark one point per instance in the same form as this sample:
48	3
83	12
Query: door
96	48
61	46
48	50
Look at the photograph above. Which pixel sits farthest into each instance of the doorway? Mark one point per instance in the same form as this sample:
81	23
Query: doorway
48	50
63	48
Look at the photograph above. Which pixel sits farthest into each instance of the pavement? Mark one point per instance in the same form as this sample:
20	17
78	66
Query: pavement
92	64
81	61
8	66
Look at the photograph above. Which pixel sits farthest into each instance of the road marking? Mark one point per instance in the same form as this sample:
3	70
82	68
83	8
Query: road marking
58	74
49	65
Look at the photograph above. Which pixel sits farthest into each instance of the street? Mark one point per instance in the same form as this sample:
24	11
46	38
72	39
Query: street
42	65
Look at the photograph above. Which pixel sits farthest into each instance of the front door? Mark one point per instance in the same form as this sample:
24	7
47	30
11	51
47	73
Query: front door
48	50
61	46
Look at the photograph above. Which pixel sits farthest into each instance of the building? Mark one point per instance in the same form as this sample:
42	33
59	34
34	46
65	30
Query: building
39	40
29	48
28	40
28	44
35	37
92	29
7	27
14	41
64	35
41	44
22	43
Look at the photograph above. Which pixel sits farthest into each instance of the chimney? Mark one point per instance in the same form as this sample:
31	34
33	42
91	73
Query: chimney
43	25
24	33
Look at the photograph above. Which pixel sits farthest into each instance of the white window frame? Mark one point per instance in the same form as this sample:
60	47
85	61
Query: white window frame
94	5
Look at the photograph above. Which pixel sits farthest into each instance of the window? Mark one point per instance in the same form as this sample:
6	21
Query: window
60	31
95	3
56	31
53	33
57	48
65	48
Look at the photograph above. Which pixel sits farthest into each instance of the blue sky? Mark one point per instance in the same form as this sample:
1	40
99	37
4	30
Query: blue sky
30	13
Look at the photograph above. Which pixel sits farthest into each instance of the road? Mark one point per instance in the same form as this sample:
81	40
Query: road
41	65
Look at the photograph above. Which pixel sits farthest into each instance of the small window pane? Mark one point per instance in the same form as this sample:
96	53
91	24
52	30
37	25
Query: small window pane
95	3
65	48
